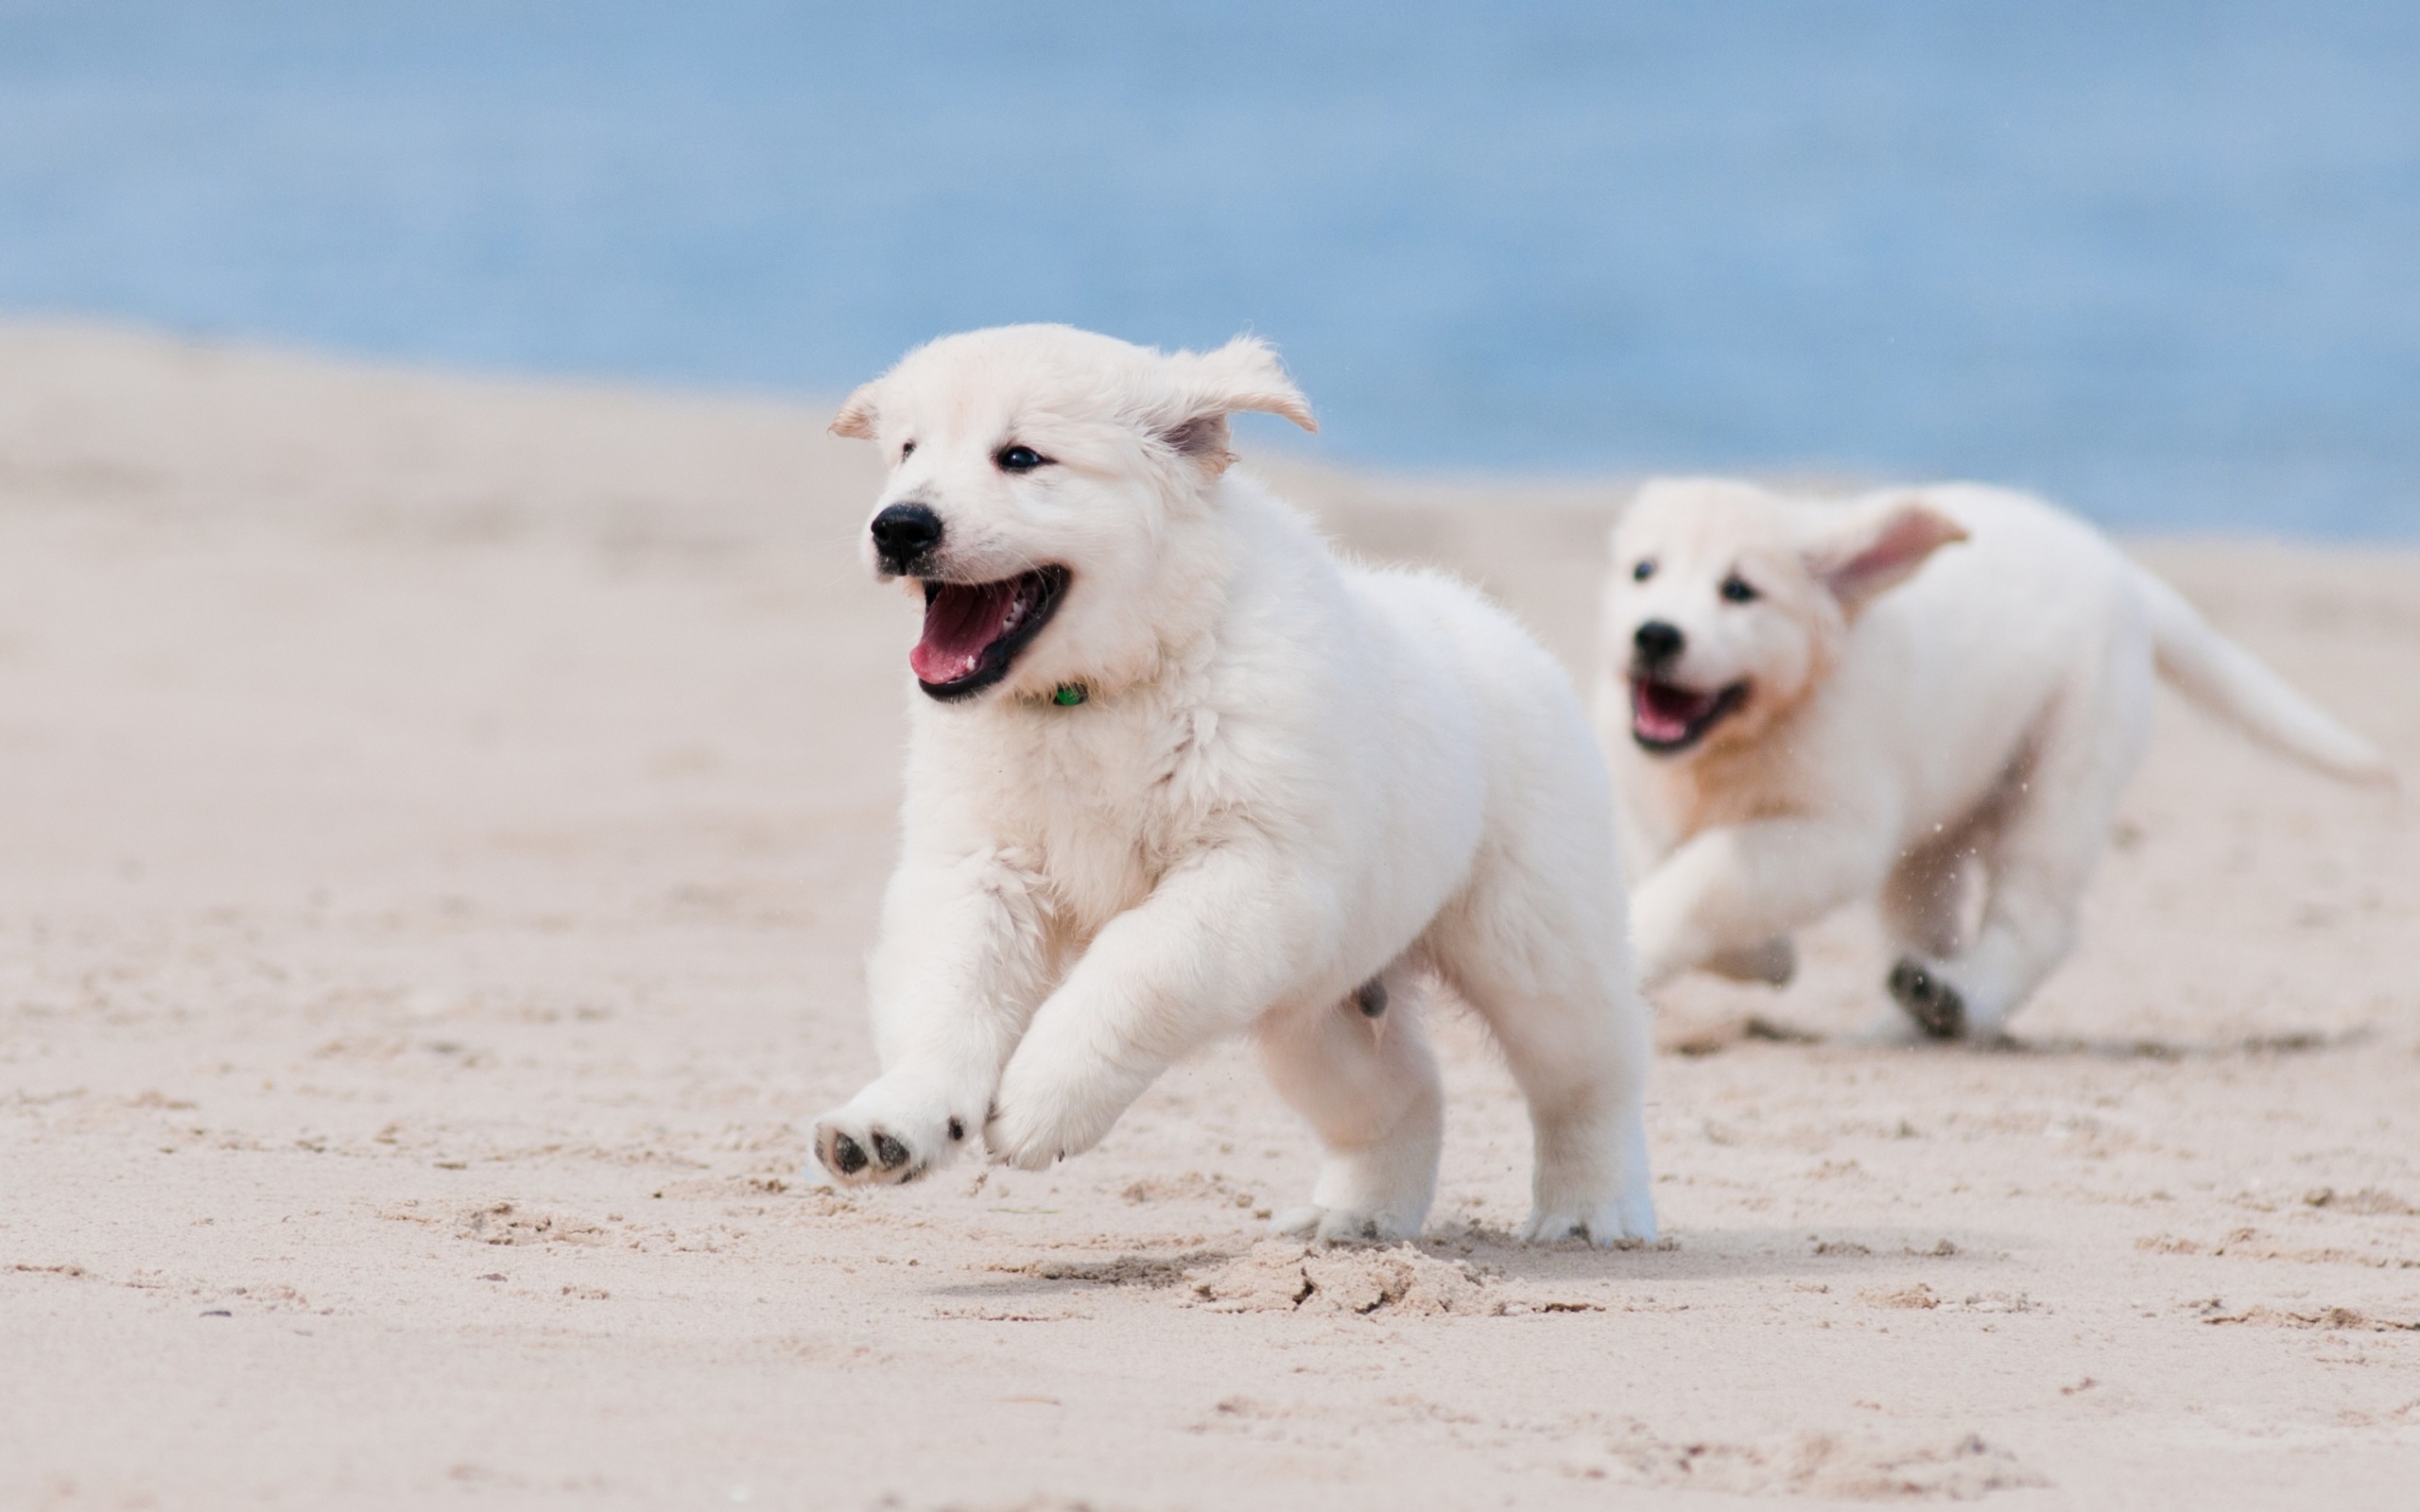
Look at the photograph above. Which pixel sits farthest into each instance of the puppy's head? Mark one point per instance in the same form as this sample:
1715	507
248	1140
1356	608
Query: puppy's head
1728	603
1048	495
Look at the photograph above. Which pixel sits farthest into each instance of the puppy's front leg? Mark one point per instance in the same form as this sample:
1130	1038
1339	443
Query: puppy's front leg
955	974
1218	942
1735	888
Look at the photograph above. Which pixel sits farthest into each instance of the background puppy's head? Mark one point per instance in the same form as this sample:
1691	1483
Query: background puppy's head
1049	494
1728	603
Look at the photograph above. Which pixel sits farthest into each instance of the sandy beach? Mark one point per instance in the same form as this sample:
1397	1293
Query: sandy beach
444	818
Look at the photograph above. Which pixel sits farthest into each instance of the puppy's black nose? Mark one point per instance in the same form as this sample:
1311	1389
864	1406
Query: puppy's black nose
904	532
1658	642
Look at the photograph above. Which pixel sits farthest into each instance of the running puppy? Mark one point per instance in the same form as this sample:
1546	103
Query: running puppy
1175	772
1799	718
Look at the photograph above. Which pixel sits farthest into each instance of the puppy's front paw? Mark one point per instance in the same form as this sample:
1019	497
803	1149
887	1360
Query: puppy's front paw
1047	1111
887	1135
1927	998
1029	1133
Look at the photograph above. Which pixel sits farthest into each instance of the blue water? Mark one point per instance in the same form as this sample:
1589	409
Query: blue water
2160	258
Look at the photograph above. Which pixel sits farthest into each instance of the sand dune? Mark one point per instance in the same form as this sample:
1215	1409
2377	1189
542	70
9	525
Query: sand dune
444	824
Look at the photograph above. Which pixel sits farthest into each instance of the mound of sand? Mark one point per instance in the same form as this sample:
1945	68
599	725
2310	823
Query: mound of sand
1287	1276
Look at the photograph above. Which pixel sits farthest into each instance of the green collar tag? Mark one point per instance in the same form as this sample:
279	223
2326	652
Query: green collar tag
1068	695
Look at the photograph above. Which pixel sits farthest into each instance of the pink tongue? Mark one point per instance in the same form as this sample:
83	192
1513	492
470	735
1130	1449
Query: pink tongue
959	623
1661	712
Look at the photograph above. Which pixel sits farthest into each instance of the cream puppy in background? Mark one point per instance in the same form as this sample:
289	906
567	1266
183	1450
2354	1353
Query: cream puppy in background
1805	705
1175	772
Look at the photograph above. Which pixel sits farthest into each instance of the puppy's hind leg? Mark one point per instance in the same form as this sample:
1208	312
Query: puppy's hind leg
2039	853
1924	901
1546	970
2038	877
1924	904
1361	1071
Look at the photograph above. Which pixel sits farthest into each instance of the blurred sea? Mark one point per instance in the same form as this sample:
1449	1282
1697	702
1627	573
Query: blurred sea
2159	258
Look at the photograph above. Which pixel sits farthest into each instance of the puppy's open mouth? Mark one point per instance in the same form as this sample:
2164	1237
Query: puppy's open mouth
1666	717
973	631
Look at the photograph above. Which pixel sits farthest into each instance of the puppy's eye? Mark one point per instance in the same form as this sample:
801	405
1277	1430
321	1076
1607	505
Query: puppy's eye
907	450
1645	570
1738	589
1020	459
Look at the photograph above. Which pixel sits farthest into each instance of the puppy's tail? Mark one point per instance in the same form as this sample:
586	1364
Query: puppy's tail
2223	678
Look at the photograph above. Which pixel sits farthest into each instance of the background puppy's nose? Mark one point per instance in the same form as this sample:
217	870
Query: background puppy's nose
906	531
1657	640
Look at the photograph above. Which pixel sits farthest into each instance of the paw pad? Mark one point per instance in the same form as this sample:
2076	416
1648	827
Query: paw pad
848	1157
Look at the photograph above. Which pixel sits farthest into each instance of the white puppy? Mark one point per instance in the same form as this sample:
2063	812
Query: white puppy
1790	731
1175	772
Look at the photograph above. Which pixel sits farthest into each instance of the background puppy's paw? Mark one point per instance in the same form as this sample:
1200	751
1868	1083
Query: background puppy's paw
1922	989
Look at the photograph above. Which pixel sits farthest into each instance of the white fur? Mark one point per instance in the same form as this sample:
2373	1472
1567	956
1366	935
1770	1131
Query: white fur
1970	727
1291	776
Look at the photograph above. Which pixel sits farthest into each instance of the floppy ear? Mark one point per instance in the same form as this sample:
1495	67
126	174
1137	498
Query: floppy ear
857	417
1210	385
1880	549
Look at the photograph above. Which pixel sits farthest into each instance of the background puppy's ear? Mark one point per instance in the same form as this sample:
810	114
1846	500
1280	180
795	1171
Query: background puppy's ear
1211	385
1880	547
857	417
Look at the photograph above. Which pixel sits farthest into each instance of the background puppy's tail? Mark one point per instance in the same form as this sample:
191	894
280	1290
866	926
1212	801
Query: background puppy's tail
2222	677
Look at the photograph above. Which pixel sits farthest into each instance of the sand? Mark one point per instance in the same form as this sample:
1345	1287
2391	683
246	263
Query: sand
444	818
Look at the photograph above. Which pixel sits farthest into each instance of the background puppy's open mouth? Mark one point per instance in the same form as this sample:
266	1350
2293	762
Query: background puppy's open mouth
1666	717
973	631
